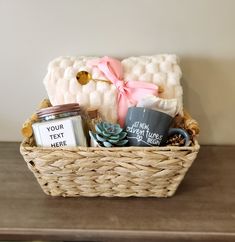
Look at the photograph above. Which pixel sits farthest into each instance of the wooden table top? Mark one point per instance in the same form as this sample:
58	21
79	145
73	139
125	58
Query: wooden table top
203	208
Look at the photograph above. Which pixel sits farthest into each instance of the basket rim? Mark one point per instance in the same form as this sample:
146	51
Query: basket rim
25	145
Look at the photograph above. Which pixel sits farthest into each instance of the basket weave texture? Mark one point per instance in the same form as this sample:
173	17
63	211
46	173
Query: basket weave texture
120	172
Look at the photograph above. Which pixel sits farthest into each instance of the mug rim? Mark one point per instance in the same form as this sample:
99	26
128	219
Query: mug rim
151	110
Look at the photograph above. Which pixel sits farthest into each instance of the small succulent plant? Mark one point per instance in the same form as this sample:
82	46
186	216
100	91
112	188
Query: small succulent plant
109	135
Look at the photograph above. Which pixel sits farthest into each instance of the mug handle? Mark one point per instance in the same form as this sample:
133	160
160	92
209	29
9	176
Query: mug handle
184	133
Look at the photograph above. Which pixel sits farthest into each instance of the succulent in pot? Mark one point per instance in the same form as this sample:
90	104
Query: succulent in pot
109	135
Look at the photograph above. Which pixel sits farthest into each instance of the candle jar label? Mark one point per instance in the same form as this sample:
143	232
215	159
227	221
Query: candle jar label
57	133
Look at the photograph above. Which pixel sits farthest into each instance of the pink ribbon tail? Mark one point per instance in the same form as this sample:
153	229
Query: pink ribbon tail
136	90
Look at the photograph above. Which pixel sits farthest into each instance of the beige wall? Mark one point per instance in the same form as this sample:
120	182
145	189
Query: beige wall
201	32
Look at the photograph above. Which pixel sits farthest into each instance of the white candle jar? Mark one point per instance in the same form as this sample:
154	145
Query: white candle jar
60	125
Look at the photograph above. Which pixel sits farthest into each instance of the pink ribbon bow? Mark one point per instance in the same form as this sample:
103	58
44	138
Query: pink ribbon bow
129	92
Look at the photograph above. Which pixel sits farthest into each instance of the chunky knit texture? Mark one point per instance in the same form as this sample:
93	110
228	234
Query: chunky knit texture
62	86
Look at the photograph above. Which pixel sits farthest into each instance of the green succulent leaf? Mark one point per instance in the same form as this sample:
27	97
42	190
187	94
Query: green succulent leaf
106	134
92	135
116	126
106	125
122	142
122	135
114	137
118	130
107	144
114	141
100	138
99	128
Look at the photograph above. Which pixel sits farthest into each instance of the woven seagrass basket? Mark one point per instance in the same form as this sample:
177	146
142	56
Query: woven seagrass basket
110	172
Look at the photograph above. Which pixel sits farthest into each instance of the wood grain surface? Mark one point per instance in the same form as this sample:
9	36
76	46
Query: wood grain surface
203	208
